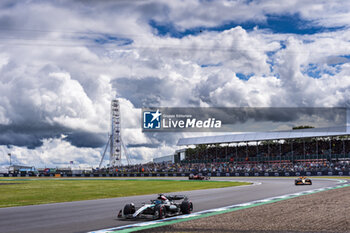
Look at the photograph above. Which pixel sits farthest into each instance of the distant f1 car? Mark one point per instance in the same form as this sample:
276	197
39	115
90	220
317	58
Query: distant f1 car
198	177
303	181
163	206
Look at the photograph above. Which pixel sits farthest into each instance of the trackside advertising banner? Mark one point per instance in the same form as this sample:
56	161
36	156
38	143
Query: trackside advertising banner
161	119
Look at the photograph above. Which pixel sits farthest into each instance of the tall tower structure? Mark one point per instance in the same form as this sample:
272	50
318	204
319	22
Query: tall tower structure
116	142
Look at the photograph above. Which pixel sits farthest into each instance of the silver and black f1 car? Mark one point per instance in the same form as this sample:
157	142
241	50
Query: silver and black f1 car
303	181
163	206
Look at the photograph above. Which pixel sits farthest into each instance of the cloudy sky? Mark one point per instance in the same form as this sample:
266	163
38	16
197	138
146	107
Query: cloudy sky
62	62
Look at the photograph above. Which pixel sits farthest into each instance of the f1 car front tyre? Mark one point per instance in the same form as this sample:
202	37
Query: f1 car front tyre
162	212
129	209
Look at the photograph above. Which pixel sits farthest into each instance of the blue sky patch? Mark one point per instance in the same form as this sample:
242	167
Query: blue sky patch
313	71
316	71
290	23
242	76
346	56
211	65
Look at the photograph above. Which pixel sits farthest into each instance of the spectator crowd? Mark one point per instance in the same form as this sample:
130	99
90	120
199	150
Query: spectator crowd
270	149
232	167
299	155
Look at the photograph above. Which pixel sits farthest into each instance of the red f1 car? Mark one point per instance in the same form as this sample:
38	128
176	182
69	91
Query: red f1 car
198	177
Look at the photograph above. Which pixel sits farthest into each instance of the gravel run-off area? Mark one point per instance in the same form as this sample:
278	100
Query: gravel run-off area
327	211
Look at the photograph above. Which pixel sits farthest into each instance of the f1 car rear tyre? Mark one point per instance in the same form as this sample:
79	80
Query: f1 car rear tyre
186	207
129	209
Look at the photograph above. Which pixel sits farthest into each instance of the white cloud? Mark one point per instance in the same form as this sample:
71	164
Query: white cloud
256	92
55	152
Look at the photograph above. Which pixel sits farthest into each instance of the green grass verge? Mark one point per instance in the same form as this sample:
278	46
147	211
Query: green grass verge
19	192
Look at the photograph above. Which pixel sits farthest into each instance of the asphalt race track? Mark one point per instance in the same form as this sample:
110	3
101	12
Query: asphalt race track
83	216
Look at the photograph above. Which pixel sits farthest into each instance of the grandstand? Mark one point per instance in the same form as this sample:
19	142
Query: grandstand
302	145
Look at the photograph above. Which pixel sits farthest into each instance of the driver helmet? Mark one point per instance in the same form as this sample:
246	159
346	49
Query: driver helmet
157	202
